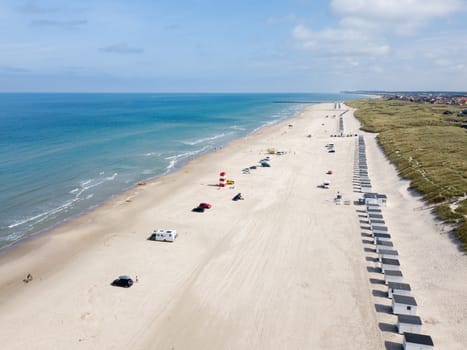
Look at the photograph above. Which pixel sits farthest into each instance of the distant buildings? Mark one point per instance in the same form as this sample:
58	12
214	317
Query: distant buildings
457	100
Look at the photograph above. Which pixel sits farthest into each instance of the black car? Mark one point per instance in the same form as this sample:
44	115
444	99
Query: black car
123	281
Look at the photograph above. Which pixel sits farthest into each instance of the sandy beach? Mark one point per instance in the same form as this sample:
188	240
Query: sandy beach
285	268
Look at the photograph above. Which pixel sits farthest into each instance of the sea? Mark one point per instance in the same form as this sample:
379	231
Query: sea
62	155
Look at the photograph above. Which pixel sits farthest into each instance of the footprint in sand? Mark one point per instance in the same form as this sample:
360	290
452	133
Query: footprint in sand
86	315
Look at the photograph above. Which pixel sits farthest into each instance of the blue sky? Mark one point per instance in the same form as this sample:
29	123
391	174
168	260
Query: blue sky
232	46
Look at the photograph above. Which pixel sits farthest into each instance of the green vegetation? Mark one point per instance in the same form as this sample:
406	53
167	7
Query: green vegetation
428	148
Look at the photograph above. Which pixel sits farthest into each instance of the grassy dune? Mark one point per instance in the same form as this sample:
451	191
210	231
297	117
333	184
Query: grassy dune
427	149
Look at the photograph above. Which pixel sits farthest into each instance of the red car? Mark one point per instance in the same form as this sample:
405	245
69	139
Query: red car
204	205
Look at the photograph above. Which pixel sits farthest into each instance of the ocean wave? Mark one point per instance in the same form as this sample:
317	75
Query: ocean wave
84	186
236	127
152	154
205	139
176	158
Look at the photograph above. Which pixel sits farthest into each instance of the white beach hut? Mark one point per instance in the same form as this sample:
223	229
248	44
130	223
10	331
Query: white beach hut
408	323
383	245
414	341
390	265
375	198
387	253
379	229
383	237
393	276
398	288
403	305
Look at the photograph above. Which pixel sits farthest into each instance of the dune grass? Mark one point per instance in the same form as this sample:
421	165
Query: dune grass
427	149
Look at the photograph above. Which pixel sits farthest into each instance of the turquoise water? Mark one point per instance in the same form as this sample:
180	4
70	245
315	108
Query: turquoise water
63	154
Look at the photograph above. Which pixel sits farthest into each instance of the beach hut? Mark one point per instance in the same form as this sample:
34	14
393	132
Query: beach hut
409	324
414	341
383	245
398	288
375	198
164	235
390	265
375	208
393	276
387	253
374	215
376	222
403	305
365	188
379	229
382	237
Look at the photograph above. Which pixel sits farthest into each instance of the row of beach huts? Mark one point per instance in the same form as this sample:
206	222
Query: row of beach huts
404	305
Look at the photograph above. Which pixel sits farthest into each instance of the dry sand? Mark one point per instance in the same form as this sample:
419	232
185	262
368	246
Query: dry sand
285	268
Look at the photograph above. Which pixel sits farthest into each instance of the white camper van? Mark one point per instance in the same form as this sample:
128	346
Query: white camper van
164	235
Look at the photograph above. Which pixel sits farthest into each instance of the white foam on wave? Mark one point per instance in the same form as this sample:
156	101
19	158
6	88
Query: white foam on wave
84	186
236	127
152	154
113	177
176	158
205	139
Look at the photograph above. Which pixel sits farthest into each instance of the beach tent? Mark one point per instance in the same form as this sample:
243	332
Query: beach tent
265	164
237	197
414	341
409	324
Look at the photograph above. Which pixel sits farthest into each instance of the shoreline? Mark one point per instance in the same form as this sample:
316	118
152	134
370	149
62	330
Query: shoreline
287	252
177	167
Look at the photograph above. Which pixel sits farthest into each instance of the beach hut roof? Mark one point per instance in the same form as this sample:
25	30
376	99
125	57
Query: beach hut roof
388	252
374	195
384	243
410	319
387	261
380	228
393	273
404	299
400	286
382	235
418	339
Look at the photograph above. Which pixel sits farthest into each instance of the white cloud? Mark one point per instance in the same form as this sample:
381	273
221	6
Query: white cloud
395	9
403	16
339	41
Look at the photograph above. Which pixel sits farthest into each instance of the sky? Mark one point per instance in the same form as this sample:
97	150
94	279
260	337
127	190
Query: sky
232	46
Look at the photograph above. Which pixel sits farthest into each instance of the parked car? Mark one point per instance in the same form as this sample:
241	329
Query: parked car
204	205
123	281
